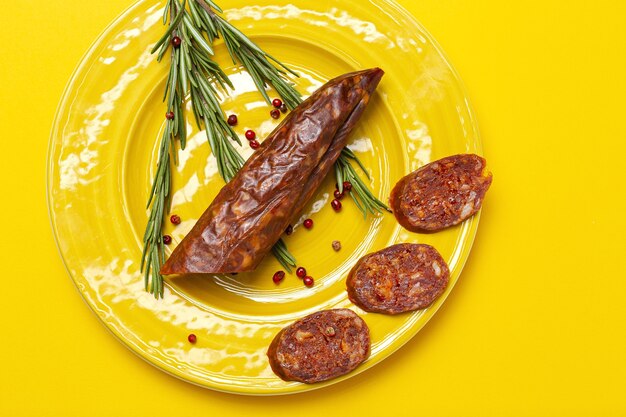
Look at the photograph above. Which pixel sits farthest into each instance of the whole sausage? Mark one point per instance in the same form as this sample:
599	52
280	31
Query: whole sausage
320	346
250	213
440	194
400	278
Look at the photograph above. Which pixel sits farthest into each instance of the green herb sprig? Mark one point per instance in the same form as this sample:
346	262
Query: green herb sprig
194	72
360	193
255	61
159	198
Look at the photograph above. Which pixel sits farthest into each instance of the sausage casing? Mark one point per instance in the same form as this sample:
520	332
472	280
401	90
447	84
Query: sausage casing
250	213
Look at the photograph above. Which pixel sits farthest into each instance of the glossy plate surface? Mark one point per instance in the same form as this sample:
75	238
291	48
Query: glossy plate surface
102	159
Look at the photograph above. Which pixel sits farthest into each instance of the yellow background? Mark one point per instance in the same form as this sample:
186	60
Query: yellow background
536	324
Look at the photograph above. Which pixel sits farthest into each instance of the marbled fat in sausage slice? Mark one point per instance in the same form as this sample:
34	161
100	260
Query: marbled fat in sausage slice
440	194
321	346
400	278
250	213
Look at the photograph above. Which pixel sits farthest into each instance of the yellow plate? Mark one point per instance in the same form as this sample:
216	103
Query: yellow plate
102	159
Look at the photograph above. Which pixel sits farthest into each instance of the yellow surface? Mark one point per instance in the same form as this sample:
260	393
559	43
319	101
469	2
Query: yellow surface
535	325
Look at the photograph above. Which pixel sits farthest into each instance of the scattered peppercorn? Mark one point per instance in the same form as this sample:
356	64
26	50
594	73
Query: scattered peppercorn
277	103
336	205
275	113
176	41
347	185
167	239
192	338
232	120
338	195
254	144
283	108
289	230
169	115
308	281
301	272
175	219
308	223
278	277
336	245
250	135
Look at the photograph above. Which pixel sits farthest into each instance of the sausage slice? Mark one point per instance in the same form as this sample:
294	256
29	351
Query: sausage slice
440	194
400	278
321	346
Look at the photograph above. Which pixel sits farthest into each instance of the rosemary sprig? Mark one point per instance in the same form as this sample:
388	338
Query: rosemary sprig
159	200
280	252
153	254
256	62
362	196
242	50
196	71
193	71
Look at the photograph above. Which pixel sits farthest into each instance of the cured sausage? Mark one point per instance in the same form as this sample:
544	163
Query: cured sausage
440	194
250	213
320	346
400	278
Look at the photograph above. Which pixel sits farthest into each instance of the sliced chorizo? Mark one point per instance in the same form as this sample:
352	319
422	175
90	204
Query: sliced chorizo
400	278
320	346
440	194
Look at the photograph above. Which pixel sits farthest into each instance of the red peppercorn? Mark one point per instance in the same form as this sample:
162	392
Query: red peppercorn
277	103
347	185
308	223
254	144
336	205
176	41
232	120
175	219
278	277
301	272
250	135
308	281
283	108
338	195
169	115
167	239
275	113
192	338
289	230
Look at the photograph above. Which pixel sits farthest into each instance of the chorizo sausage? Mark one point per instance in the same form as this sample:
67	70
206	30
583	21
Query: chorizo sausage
250	213
400	278
440	194
320	346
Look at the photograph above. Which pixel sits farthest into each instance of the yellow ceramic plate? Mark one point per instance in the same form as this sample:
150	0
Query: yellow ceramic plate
102	159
